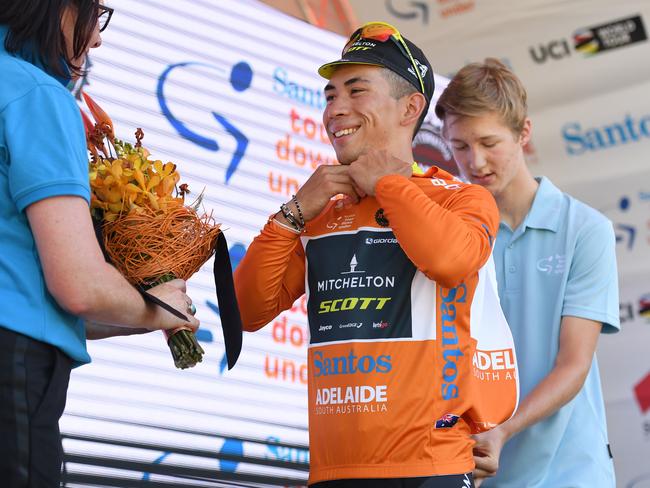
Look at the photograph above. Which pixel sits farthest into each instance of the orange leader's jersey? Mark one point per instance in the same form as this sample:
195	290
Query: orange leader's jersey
390	283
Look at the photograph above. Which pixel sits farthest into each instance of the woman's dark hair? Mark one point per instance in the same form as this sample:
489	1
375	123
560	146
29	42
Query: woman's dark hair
36	25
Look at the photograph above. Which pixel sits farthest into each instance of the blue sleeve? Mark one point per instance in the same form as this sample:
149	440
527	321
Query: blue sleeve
47	147
592	287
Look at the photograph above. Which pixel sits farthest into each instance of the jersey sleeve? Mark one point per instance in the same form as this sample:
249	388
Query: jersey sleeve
270	277
47	158
446	241
592	287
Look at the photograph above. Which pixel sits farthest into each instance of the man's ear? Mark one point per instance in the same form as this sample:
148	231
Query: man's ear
526	132
414	104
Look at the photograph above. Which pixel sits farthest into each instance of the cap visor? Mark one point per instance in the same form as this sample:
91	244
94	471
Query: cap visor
327	70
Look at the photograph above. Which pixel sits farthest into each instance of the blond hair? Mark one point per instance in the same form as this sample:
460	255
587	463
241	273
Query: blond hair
481	88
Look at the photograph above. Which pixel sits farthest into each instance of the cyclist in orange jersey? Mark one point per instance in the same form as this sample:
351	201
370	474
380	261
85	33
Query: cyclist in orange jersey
391	270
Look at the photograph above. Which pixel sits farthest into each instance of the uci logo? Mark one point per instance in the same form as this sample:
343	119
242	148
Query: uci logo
557	49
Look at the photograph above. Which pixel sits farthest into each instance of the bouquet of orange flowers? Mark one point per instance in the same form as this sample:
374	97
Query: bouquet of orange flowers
149	234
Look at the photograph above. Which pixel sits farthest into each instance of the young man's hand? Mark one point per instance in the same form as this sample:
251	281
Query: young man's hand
326	182
372	165
486	454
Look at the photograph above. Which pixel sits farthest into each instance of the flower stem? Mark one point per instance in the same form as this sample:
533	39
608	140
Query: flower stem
186	350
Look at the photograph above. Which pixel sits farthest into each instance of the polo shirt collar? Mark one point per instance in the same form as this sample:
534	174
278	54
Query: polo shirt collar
545	211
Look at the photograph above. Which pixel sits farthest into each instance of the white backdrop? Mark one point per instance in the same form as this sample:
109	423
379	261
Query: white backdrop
585	65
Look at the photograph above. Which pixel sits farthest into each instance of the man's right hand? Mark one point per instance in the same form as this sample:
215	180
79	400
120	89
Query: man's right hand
326	182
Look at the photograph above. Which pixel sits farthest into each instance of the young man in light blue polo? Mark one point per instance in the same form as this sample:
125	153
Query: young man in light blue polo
556	271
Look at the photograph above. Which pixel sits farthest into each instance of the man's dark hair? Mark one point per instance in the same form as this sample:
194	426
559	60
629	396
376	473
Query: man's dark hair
399	87
35	25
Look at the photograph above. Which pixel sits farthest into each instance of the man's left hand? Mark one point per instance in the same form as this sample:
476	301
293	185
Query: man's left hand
486	454
373	165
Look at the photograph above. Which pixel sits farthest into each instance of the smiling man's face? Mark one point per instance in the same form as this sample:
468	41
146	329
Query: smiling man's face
360	111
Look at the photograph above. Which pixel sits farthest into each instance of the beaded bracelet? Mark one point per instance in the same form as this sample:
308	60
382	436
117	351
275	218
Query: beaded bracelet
301	219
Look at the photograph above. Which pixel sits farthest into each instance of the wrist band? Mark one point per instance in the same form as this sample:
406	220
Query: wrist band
284	226
291	218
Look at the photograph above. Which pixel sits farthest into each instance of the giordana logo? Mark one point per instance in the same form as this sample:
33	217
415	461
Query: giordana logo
579	140
350	364
388	240
592	40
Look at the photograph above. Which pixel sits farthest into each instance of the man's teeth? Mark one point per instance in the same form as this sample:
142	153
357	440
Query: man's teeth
344	132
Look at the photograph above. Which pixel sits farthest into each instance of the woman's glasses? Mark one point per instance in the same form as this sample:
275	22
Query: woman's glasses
104	17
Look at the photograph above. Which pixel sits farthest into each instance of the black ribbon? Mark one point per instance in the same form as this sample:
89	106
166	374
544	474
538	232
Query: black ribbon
154	299
228	306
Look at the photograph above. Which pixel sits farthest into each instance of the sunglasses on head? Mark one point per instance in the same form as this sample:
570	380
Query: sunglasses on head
382	32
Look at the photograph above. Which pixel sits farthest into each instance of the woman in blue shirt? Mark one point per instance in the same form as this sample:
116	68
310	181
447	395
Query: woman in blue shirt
55	287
